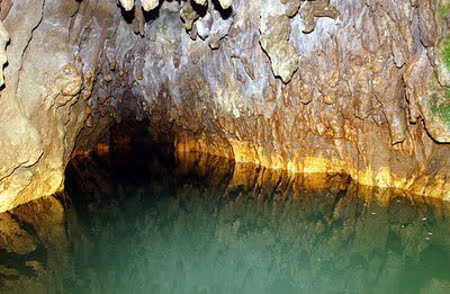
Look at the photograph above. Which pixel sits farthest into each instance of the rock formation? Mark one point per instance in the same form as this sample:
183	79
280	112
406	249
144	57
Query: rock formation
4	38
356	87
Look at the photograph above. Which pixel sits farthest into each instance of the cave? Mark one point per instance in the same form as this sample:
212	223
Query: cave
224	146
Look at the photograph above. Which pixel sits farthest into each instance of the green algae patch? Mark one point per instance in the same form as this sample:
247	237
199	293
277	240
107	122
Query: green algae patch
440	106
443	8
445	51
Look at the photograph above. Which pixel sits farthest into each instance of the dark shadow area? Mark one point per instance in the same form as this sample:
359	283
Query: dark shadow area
224	13
200	9
128	15
150	16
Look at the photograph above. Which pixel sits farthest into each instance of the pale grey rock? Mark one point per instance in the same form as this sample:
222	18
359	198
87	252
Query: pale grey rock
201	2
226	3
149	5
204	25
128	4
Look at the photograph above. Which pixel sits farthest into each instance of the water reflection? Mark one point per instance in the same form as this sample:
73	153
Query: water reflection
142	223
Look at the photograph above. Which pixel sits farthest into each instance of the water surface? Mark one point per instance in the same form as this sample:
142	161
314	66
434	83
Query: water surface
144	224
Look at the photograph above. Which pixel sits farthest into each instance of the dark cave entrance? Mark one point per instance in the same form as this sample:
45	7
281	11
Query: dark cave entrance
125	152
136	153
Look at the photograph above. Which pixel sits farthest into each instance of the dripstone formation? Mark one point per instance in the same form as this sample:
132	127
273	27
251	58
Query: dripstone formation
349	87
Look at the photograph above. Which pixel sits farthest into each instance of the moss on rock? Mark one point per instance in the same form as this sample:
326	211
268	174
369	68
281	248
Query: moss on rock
445	51
440	106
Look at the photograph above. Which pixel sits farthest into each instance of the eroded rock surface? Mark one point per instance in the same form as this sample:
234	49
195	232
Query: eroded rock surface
360	87
4	39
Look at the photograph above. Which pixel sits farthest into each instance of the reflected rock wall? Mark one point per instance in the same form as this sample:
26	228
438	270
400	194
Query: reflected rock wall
204	210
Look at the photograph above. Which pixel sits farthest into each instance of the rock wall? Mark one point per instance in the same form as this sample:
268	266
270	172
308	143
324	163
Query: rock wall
357	87
40	109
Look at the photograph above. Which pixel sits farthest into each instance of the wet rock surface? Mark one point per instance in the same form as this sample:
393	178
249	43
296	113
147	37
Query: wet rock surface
307	86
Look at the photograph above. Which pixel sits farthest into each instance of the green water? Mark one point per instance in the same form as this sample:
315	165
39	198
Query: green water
146	226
